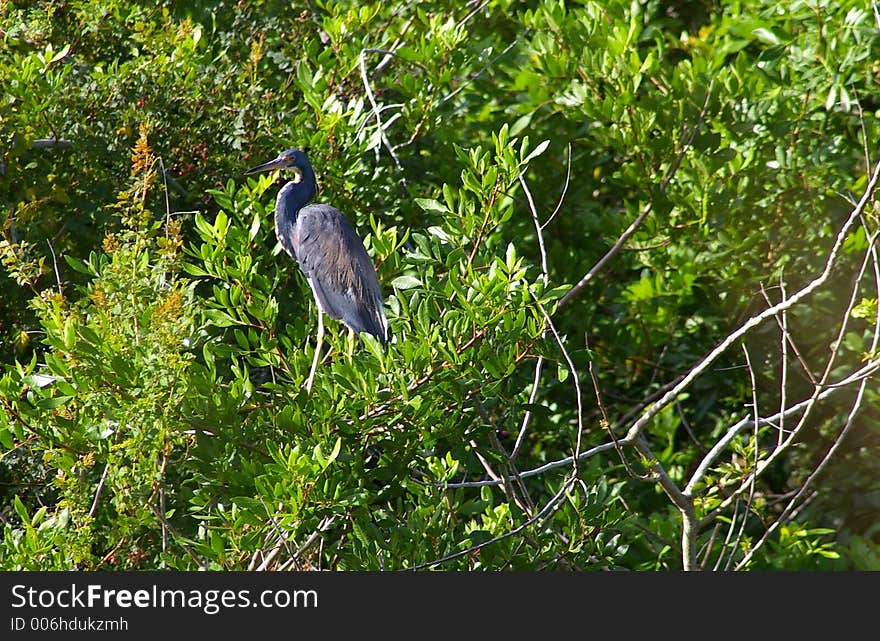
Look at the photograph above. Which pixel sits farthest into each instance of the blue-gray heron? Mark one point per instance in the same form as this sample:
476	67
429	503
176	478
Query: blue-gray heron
329	252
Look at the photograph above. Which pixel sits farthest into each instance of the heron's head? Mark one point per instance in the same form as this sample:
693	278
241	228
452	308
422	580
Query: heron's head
293	159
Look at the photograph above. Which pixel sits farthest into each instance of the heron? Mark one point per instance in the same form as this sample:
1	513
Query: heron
329	252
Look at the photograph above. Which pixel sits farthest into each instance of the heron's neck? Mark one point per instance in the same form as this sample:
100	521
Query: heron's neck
295	195
291	198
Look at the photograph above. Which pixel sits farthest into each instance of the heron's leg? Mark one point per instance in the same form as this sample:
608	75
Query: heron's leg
318	343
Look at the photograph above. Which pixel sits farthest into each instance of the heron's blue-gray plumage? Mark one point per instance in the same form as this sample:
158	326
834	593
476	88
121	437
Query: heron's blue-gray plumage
328	250
339	270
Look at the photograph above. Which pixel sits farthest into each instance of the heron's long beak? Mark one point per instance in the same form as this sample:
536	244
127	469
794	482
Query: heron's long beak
278	163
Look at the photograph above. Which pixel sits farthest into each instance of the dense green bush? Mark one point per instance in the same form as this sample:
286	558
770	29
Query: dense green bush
575	209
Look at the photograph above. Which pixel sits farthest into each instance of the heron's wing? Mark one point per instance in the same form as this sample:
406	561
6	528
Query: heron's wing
339	270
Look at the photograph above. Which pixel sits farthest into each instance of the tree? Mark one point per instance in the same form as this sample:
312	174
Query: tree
629	258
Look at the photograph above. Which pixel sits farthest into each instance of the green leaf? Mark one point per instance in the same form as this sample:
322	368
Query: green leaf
61	54
21	510
255	227
337	447
562	372
53	402
406	282
521	124
831	99
766	36
78	265
537	151
430	204
68	333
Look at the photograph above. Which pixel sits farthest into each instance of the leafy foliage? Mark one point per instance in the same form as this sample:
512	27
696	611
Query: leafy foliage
155	340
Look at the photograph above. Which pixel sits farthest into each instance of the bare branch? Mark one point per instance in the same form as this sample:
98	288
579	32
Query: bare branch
94	509
564	190
871	368
520	437
479	73
538	228
527	416
376	112
687	139
605	423
683	502
753	477
856	405
55	266
575	382
756	320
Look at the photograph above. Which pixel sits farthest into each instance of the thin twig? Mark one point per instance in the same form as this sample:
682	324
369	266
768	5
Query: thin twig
564	190
520	437
864	372
756	320
55	265
726	544
857	402
479	73
605	423
538	228
688	138
782	322
474	12
177	536
527	416
551	506
687	428
756	420
93	510
376	113
575	381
